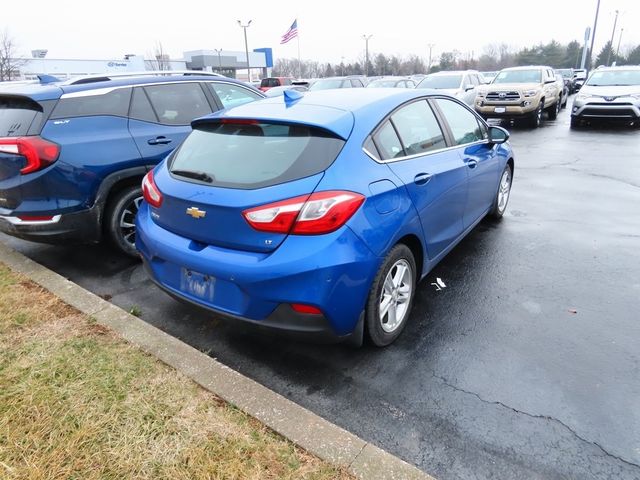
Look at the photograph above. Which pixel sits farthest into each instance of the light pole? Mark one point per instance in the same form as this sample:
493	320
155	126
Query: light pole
342	66
430	45
246	46
593	35
218	51
613	32
619	41
366	55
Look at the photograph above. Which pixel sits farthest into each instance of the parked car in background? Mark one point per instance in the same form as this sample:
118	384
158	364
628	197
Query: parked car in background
354	197
277	91
270	82
521	93
568	76
564	89
330	83
461	84
610	93
579	77
392	82
488	76
73	154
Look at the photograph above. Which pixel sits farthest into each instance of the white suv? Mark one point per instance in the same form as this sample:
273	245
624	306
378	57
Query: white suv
610	93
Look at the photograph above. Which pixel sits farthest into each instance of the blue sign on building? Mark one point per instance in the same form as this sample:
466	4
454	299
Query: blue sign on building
268	55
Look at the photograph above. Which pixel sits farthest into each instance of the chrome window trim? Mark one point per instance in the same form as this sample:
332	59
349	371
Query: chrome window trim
424	154
105	90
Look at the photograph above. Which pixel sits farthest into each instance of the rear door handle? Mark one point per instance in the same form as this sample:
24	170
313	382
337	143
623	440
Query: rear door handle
471	163
422	178
159	141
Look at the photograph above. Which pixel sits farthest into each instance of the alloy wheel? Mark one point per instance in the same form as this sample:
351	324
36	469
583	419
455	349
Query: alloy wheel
127	221
396	295
504	190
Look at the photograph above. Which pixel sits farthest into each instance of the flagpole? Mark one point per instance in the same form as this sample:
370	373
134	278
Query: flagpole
299	62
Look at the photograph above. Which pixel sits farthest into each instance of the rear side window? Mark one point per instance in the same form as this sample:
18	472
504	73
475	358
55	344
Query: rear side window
17	115
231	95
255	155
114	103
418	128
463	124
178	103
388	142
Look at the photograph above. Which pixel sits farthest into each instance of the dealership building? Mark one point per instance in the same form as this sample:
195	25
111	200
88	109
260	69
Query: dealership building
229	63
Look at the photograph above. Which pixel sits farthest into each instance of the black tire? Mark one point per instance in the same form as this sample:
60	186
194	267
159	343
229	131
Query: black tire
373	323
538	115
119	219
554	110
498	208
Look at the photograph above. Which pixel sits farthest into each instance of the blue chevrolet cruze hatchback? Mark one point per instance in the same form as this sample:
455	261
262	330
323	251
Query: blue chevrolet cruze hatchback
320	213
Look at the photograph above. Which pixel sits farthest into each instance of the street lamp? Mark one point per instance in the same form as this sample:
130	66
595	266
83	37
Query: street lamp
366	49
430	45
613	32
246	46
218	51
593	35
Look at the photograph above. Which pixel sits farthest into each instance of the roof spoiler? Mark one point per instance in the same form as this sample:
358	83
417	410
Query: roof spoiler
45	79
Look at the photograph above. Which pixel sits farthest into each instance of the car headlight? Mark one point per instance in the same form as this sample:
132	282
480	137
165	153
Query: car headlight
531	93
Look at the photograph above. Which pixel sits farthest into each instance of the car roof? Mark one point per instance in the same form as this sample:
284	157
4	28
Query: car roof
452	72
526	67
52	91
618	67
334	110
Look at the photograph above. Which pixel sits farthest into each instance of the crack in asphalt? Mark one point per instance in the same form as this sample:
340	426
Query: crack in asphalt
544	417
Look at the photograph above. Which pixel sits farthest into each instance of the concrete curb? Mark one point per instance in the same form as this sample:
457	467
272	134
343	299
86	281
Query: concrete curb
304	428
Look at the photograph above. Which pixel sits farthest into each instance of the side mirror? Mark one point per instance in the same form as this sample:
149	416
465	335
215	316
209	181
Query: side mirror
498	135
468	87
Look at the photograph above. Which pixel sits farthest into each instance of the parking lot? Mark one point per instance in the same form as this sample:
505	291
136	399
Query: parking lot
526	365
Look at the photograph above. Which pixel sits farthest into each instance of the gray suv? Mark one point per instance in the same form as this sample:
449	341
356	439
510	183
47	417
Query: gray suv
610	93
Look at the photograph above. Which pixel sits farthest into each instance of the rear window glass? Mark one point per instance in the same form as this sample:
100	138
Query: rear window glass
17	115
249	156
114	103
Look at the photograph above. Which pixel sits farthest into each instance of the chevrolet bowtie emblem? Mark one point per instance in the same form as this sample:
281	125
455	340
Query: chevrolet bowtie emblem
195	212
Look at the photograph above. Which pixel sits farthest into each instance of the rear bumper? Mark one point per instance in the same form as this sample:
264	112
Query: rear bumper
76	227
332	272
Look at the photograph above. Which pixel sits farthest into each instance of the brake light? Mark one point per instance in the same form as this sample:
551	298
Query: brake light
38	152
315	214
150	191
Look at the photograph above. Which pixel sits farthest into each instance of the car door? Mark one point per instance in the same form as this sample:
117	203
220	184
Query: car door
471	137
413	144
231	94
160	116
550	87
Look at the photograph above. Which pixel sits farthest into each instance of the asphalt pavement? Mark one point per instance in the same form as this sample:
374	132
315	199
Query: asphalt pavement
527	365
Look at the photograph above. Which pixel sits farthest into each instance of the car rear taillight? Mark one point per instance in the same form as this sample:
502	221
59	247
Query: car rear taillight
315	214
38	152
150	191
306	309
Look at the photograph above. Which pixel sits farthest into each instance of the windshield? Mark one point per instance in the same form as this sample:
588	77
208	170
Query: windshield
382	83
326	84
440	81
249	155
518	76
614	78
565	72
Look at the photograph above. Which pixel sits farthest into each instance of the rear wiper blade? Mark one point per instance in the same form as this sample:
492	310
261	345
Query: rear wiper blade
202	176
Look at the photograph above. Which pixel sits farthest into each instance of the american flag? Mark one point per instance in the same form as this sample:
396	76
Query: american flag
291	33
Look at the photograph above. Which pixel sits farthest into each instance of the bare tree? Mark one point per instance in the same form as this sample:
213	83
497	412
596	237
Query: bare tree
160	59
10	63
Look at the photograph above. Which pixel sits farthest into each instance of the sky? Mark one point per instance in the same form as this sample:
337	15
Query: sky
328	29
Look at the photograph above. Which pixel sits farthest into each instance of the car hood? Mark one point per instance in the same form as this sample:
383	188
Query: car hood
610	91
